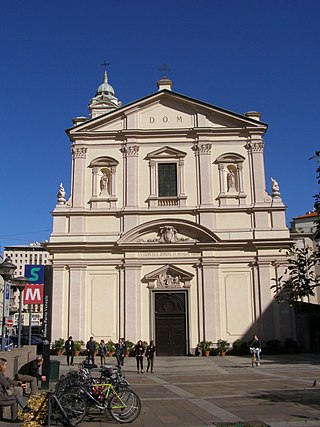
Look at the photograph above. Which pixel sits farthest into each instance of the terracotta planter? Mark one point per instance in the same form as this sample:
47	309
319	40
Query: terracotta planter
222	353
77	352
205	353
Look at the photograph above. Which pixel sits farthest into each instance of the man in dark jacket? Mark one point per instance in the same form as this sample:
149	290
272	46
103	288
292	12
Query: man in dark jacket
69	347
30	373
91	349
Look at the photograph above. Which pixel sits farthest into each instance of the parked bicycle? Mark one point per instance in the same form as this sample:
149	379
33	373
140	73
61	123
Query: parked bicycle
78	392
123	405
254	356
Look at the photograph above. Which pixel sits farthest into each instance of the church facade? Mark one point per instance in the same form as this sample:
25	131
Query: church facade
169	233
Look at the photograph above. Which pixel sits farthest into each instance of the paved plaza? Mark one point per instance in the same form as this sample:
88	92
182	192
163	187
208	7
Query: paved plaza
224	391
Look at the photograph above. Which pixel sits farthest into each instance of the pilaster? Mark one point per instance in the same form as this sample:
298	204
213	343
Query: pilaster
132	312
79	155
211	300
203	155
255	151
131	157
78	302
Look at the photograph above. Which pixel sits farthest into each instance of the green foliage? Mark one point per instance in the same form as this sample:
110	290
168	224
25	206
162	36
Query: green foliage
222	345
317	196
129	345
291	346
205	345
299	279
57	345
110	346
273	347
240	347
78	345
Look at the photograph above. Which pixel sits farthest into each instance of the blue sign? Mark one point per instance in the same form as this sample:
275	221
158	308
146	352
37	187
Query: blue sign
34	273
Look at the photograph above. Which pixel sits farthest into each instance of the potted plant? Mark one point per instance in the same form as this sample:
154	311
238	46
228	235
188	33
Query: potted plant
110	348
58	346
222	347
129	347
77	347
205	346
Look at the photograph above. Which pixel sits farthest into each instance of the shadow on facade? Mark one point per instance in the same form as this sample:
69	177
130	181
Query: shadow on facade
284	329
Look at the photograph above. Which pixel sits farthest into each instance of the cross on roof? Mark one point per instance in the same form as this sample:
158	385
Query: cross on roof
164	69
104	64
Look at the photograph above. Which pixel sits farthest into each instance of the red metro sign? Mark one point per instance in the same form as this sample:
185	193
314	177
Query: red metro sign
33	294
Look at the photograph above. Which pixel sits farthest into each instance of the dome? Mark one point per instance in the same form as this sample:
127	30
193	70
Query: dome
105	88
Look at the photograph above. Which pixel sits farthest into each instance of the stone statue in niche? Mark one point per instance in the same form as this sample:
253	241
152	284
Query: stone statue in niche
61	195
275	188
104	181
167	280
231	181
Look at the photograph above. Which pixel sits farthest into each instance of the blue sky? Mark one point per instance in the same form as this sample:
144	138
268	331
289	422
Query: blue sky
238	55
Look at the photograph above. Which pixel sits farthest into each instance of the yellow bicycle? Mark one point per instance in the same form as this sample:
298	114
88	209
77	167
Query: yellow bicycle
124	405
254	358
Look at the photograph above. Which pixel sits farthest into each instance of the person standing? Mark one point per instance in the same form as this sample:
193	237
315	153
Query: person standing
8	395
150	355
139	353
255	346
91	349
102	351
30	373
120	351
69	348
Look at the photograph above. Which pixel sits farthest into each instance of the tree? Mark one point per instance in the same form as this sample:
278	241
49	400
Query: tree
299	279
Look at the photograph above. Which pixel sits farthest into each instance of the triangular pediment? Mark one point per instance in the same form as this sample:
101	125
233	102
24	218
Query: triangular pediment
169	269
165	110
166	152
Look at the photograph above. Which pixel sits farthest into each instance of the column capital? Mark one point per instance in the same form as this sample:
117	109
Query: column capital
130	150
79	152
202	148
255	146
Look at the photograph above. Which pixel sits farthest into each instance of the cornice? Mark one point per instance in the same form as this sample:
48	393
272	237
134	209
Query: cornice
182	132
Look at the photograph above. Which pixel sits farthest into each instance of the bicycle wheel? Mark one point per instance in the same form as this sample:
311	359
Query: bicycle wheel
74	406
253	360
125	406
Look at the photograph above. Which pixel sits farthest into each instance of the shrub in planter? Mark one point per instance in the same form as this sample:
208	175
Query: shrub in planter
57	346
273	347
291	346
222	346
205	346
240	347
110	347
129	347
77	347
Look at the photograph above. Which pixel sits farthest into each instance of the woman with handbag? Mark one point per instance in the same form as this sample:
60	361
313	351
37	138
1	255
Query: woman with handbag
8	395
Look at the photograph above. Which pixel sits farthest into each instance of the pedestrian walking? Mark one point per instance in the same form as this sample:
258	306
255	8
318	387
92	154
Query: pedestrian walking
102	351
91	350
69	348
120	351
139	353
150	355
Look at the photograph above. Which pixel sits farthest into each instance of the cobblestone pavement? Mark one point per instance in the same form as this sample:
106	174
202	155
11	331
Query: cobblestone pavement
224	391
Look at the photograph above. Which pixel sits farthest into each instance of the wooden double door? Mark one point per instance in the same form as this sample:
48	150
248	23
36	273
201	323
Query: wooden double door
170	323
